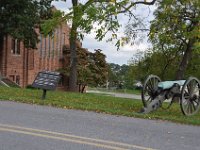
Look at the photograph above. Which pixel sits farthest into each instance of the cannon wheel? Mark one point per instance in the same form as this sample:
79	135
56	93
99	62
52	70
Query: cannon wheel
190	97
149	88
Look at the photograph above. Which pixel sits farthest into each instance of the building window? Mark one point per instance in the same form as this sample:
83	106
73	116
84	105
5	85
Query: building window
18	79
15	78
15	47
31	59
12	78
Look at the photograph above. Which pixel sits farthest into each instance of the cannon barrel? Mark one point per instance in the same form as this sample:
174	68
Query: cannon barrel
164	94
155	92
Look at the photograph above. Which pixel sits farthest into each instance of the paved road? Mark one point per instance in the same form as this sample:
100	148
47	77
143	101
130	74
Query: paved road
123	95
31	127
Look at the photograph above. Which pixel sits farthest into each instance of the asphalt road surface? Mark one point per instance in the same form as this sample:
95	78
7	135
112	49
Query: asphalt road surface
123	95
31	127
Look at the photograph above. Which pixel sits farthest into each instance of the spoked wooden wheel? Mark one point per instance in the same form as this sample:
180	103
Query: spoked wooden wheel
149	89
190	97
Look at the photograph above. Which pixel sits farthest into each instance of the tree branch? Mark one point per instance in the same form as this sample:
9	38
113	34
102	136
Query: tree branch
136	3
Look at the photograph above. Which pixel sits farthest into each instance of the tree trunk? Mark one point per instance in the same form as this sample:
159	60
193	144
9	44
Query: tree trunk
73	54
185	60
83	88
73	62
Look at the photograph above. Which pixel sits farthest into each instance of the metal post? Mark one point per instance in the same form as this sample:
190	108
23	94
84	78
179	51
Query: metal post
44	94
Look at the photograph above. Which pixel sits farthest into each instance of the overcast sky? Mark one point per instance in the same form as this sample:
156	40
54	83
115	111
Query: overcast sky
112	55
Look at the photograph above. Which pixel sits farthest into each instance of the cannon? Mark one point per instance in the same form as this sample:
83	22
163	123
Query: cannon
155	92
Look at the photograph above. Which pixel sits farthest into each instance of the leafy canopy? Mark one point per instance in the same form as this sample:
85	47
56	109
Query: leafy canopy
175	23
100	16
20	17
176	29
175	35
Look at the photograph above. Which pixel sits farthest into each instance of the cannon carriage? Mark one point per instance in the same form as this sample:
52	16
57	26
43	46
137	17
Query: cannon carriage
155	92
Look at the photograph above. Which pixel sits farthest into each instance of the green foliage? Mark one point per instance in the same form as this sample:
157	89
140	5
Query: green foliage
49	25
118	76
175	31
162	64
84	15
193	68
92	68
174	34
99	69
153	62
20	17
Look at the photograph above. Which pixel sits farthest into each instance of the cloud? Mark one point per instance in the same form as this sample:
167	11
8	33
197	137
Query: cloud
120	57
109	49
61	5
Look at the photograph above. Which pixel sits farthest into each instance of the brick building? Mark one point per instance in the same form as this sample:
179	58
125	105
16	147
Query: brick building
21	65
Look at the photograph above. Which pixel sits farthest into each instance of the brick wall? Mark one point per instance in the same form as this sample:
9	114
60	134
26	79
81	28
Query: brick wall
14	64
23	68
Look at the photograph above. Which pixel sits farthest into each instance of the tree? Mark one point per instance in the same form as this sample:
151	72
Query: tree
99	68
162	64
154	62
92	68
176	29
84	15
193	68
113	75
117	75
20	17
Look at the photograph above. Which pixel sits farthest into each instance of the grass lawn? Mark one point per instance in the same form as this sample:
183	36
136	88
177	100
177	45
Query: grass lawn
95	102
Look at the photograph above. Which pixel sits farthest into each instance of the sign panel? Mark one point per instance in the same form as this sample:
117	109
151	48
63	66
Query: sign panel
46	80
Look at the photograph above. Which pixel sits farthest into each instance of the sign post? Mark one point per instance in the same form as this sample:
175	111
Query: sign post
46	80
44	94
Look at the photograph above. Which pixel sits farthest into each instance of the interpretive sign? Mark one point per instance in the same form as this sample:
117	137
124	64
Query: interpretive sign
46	80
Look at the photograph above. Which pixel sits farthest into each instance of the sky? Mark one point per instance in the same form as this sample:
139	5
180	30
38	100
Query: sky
122	56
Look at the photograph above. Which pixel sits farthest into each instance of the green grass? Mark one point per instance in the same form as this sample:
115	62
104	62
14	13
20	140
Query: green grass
95	102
